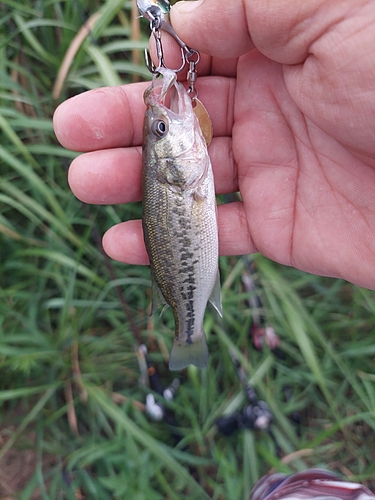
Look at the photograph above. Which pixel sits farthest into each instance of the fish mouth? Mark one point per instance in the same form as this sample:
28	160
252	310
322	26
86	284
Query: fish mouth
167	93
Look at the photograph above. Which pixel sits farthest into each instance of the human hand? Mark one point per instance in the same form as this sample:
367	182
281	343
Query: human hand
294	130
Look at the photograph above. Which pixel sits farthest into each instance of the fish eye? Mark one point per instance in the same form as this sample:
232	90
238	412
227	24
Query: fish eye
159	128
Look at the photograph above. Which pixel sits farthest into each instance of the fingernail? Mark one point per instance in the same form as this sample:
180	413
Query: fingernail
186	7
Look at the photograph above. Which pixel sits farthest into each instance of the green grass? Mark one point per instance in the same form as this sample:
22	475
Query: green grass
63	306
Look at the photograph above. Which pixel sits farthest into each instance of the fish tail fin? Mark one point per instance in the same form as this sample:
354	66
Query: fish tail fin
183	354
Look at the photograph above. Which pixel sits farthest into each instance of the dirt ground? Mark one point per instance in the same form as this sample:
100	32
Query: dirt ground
18	466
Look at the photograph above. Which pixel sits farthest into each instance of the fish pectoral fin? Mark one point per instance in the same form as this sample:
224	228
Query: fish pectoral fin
157	297
184	354
199	195
215	297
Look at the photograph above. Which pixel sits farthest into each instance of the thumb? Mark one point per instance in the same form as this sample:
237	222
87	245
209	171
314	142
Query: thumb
215	27
283	30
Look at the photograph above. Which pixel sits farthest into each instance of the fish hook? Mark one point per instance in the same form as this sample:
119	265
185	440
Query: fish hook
156	12
160	55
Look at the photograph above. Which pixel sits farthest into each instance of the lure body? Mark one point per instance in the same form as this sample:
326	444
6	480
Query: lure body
153	8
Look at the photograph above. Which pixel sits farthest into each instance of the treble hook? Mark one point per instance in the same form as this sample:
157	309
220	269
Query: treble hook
156	12
160	55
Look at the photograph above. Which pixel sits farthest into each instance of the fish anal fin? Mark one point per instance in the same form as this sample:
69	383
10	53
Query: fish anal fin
215	297
184	354
164	309
157	297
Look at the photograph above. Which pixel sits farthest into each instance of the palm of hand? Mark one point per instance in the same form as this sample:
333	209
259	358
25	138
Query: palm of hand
304	150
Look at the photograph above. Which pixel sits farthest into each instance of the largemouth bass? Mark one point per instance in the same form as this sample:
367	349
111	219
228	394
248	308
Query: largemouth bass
179	217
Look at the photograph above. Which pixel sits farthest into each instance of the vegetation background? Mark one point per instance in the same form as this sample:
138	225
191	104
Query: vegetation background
72	418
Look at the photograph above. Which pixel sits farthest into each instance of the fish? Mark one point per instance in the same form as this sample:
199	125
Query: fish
179	217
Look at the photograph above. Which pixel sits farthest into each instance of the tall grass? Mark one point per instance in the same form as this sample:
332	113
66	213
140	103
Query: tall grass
71	320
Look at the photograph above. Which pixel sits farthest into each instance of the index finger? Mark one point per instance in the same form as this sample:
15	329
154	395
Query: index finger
112	117
103	118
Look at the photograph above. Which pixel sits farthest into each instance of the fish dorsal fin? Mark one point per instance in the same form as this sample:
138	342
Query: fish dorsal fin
215	297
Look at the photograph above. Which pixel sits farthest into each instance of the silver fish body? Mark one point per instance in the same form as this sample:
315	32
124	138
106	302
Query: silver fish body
179	217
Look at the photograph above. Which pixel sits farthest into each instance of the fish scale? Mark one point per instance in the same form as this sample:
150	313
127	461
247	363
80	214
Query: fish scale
179	217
